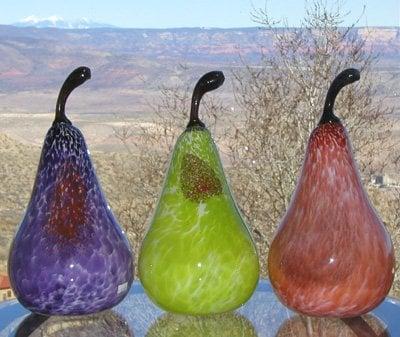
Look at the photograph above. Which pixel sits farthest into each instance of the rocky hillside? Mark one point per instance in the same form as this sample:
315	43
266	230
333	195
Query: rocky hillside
17	170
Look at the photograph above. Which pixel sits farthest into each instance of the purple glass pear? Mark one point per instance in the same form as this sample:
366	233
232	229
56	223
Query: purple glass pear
69	255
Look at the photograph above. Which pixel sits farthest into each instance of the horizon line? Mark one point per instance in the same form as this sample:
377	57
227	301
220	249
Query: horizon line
186	27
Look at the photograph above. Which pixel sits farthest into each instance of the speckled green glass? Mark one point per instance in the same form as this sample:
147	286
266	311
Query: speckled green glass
198	256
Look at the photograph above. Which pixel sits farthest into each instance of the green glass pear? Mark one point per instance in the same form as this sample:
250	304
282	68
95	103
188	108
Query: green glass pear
198	256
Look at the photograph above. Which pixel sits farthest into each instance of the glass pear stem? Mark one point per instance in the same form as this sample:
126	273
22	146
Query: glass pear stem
346	77
208	82
75	79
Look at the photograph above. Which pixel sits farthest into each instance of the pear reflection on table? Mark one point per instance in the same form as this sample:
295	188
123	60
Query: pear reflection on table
303	326
104	324
222	325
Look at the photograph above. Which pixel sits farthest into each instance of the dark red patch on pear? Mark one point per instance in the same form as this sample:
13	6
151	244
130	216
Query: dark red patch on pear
198	180
68	206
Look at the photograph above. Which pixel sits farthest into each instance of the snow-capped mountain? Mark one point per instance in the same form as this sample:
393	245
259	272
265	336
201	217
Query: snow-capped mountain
58	22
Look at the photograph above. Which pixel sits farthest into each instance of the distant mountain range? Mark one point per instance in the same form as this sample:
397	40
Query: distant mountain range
33	58
58	22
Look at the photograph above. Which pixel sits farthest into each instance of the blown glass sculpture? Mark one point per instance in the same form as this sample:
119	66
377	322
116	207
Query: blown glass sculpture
69	255
331	255
198	256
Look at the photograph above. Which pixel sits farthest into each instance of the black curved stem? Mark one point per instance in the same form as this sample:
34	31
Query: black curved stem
206	83
346	77
75	79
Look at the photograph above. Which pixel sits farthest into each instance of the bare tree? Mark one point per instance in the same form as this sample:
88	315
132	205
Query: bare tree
282	100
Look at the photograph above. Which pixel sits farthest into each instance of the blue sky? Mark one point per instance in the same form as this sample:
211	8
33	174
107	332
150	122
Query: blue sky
187	13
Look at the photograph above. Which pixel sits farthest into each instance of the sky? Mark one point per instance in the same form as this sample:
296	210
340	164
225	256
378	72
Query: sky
191	13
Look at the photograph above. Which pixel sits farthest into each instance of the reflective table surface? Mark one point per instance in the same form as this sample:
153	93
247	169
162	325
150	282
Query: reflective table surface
137	316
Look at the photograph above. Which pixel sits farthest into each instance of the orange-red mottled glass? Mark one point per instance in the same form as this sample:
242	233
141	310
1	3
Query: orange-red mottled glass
331	255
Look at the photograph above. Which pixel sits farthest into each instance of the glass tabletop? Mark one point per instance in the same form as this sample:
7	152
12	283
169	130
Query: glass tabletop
263	315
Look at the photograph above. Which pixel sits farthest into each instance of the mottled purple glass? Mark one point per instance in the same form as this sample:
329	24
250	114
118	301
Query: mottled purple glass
69	255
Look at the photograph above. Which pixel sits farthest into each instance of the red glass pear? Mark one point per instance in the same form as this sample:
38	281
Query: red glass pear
331	255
